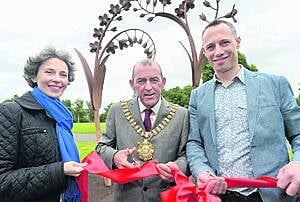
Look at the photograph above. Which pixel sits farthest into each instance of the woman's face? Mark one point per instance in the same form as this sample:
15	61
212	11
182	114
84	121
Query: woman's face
52	77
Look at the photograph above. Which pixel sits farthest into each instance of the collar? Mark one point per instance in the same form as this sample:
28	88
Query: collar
27	101
240	75
155	108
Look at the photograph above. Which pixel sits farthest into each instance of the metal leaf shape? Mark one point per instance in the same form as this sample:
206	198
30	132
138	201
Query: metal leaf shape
98	83
88	73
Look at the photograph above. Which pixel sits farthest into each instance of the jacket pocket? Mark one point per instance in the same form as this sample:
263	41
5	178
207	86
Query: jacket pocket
35	143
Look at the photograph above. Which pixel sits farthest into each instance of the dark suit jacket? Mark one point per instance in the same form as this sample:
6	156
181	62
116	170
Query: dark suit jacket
273	116
169	145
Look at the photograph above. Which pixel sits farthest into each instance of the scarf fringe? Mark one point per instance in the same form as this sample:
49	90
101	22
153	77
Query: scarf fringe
72	193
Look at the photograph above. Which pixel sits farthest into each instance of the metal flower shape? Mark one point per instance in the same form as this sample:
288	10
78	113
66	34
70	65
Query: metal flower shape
114	9
182	9
128	38
94	46
231	14
206	3
111	48
190	4
104	20
131	41
123	44
125	4
165	2
98	33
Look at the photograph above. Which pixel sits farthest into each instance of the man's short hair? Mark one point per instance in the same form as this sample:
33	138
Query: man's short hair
217	22
146	62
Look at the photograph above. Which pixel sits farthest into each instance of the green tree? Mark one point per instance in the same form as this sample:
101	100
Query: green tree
298	98
208	71
68	104
89	111
177	95
15	97
103	116
79	111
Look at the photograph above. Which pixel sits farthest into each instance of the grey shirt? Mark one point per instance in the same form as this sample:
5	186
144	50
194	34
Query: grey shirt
232	130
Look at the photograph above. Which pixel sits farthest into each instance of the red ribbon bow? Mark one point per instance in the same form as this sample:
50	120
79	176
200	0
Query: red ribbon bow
184	191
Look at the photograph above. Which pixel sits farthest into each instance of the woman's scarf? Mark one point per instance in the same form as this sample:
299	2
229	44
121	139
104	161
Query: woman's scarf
67	146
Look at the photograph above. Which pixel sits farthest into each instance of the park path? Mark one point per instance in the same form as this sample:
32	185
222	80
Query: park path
84	137
98	192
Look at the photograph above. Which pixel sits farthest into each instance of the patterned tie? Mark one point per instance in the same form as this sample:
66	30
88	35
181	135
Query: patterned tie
147	120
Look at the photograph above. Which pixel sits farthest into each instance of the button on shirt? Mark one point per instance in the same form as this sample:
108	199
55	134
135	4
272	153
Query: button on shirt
232	131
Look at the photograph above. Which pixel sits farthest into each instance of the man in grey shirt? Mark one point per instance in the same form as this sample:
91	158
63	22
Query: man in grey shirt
239	122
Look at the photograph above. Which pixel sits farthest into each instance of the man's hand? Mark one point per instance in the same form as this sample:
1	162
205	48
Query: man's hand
120	158
73	168
166	170
214	185
289	179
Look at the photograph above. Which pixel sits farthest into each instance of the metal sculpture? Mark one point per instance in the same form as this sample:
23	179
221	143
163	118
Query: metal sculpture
148	8
121	40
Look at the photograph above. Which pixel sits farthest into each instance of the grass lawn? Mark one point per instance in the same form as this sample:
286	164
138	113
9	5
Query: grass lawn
86	128
84	148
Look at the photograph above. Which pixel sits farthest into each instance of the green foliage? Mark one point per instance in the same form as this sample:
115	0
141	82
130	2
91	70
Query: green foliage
86	128
12	99
298	100
208	71
68	104
177	95
103	116
84	148
243	61
89	111
79	114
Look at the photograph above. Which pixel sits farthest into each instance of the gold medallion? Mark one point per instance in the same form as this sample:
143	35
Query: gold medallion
145	150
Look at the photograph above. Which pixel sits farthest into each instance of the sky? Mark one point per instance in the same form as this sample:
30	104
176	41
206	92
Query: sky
269	30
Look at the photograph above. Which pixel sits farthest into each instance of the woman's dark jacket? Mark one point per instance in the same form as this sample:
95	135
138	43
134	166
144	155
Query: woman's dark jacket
30	164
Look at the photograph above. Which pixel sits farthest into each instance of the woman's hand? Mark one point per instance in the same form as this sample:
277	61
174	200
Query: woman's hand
73	168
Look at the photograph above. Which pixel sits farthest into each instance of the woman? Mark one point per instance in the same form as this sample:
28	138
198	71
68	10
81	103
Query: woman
38	156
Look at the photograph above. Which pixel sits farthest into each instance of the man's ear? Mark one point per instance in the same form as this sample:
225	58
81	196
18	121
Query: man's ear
238	42
203	51
131	83
164	80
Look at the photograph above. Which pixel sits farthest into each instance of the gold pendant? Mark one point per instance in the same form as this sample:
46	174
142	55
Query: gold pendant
145	150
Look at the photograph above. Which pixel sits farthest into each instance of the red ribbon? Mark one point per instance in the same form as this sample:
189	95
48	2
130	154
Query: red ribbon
184	191
123	175
260	182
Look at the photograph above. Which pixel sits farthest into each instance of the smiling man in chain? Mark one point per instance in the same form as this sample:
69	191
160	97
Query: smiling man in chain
145	128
